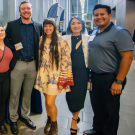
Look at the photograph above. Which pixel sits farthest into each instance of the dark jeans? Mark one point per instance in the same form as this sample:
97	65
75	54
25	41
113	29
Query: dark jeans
4	91
105	105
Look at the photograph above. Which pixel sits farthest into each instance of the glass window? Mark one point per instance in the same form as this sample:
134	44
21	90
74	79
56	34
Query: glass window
4	11
80	15
39	11
82	6
85	16
88	24
73	6
94	25
18	2
72	15
89	16
91	4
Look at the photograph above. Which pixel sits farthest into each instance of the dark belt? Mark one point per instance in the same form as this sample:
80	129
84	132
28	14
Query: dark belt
27	60
105	73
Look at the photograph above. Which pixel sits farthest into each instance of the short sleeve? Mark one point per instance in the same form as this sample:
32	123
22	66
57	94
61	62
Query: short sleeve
123	41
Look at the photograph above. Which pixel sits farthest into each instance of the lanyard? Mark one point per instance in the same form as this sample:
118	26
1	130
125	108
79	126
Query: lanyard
3	54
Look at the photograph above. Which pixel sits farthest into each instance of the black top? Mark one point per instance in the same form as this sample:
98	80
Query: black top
27	39
77	55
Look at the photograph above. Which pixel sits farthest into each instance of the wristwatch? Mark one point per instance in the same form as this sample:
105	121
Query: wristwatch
118	81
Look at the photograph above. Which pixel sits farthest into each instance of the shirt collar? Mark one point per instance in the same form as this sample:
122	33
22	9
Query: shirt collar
29	23
106	29
109	27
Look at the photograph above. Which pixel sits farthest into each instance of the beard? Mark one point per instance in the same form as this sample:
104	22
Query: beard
26	18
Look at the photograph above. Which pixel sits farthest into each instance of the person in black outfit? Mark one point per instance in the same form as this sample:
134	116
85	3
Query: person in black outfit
63	33
79	48
5	58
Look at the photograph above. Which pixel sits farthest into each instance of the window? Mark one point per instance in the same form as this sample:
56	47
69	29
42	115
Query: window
91	4
4	12
73	6
72	15
82	6
83	9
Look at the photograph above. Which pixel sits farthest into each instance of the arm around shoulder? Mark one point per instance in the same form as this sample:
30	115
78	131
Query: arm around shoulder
7	39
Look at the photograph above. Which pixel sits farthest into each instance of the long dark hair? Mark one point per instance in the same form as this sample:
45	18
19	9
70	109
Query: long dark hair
54	54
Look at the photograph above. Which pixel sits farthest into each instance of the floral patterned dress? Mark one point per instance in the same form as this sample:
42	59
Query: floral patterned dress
48	77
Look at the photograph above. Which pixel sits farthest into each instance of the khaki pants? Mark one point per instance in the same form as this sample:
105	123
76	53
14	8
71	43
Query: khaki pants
23	73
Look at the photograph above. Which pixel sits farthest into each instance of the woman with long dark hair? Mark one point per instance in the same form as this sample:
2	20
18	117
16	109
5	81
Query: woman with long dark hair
54	75
5	58
78	43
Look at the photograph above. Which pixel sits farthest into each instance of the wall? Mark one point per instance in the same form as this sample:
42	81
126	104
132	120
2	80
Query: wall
124	12
120	10
121	13
130	16
111	3
40	9
113	19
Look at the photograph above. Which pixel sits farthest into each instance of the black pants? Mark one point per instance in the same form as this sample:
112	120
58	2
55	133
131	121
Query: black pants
4	91
105	105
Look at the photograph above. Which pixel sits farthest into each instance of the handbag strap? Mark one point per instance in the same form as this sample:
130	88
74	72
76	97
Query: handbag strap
3	54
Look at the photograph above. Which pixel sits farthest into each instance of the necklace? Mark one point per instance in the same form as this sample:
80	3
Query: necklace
77	36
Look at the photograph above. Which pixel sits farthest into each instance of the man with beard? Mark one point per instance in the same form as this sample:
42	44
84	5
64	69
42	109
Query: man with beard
110	57
24	35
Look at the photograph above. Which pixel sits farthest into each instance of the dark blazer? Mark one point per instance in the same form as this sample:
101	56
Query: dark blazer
134	36
14	36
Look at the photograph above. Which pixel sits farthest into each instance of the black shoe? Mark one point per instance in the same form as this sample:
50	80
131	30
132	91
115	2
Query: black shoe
78	120
75	130
14	127
90	132
75	133
29	123
3	129
0	132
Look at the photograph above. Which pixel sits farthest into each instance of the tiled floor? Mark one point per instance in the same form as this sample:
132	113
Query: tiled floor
127	113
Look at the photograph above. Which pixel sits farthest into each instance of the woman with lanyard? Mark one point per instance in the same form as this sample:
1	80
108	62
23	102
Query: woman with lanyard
5	58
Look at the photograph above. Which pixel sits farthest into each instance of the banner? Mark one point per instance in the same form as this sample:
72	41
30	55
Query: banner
52	13
61	23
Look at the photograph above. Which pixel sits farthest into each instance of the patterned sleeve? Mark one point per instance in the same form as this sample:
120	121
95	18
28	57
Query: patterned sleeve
66	76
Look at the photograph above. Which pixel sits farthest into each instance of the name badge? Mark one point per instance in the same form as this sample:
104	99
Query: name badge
91	38
18	46
89	86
